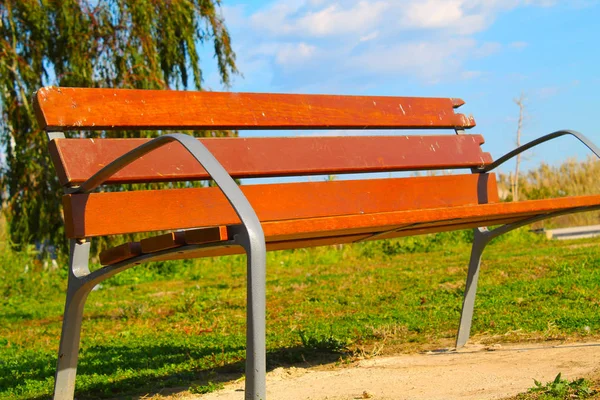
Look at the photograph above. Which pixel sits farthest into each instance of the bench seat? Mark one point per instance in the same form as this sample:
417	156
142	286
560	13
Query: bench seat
319	231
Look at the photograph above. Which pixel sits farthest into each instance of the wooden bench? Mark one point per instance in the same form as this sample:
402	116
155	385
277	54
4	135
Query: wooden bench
229	219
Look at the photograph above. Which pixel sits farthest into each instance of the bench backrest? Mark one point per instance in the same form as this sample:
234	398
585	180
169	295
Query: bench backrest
68	109
104	109
78	159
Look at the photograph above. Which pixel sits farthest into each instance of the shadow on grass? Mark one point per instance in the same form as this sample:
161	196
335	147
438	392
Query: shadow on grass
139	368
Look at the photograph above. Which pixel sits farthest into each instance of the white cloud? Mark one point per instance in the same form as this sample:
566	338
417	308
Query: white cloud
471	74
330	18
333	19
291	55
434	14
541	3
429	60
519	45
370	36
433	40
273	19
487	49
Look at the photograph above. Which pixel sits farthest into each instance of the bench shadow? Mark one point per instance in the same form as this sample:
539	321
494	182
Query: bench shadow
471	349
104	360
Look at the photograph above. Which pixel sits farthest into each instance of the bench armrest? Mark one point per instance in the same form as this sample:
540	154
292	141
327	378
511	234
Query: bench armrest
212	166
535	142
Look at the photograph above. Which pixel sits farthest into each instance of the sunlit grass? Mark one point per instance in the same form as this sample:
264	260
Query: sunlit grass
183	324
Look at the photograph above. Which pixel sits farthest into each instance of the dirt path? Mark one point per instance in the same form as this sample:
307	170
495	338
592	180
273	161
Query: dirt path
475	372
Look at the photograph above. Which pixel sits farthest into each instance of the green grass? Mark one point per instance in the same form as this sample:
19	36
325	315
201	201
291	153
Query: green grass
560	389
209	387
183	324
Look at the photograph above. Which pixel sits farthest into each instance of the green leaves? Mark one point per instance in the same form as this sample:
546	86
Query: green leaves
561	389
144	44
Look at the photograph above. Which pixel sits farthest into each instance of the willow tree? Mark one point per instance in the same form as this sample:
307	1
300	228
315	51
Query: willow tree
144	44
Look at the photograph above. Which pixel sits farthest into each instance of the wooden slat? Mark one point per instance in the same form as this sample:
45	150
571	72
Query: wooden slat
392	220
142	211
230	250
327	240
323	231
78	159
163	242
120	253
100	109
324	238
203	236
179	238
276	231
443	226
207	235
273	246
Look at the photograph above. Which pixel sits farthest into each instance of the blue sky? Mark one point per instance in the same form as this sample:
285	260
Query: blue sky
486	52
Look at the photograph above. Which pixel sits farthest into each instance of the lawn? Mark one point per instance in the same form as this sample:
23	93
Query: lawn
183	324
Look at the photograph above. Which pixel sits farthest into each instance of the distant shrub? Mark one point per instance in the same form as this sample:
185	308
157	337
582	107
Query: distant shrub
571	178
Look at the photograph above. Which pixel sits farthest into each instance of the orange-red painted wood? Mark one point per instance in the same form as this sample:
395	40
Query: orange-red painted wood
78	159
394	220
120	253
324	231
142	211
100	109
179	238
163	242
273	229
215	234
272	245
444	226
204	235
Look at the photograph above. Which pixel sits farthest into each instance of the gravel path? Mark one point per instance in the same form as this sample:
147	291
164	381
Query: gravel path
474	372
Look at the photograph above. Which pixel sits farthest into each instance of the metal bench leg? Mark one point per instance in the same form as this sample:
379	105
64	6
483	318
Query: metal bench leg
77	292
480	240
482	237
256	363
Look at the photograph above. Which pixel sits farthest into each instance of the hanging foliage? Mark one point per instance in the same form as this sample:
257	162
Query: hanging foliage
144	44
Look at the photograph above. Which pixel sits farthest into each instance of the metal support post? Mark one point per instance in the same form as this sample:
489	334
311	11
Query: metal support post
77	292
481	238
466	316
256	364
